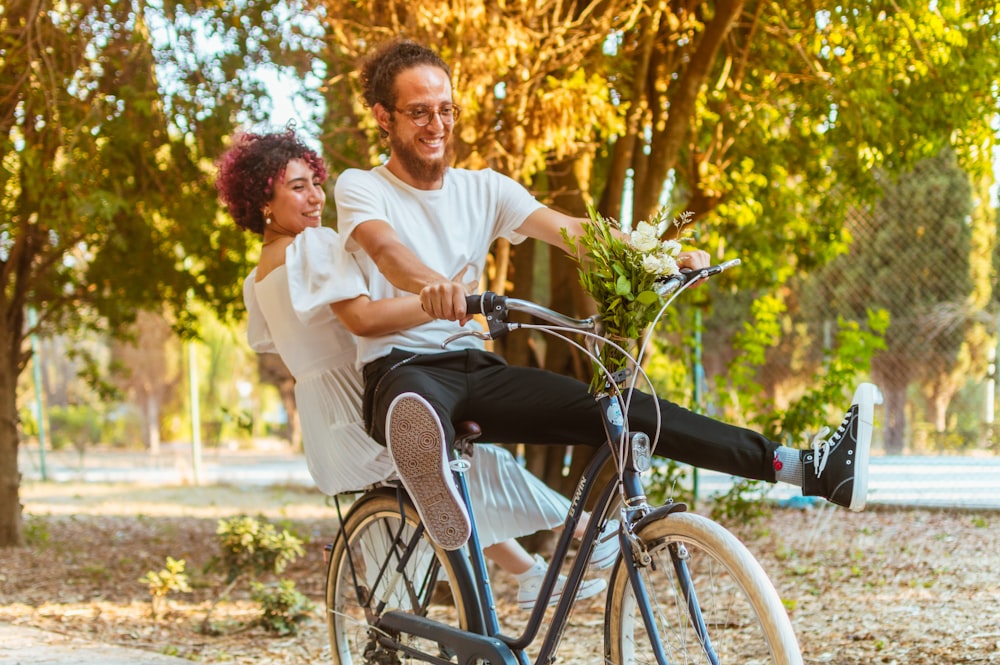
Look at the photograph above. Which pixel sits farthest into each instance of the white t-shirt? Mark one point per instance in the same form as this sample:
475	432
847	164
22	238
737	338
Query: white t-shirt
450	229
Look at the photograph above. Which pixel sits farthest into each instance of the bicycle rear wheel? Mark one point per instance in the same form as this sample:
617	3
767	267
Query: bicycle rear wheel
742	615
380	563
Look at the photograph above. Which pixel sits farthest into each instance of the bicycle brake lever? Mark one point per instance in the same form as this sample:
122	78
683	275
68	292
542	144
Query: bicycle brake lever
466	333
673	282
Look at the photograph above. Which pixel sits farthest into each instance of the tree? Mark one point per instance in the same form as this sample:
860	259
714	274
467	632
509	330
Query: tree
753	110
105	186
272	370
766	118
800	104
142	371
804	104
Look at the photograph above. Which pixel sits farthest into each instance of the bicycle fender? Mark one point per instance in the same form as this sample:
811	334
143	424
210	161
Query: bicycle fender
657	513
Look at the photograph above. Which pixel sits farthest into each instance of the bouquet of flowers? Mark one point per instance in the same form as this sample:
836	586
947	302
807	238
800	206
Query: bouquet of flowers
619	268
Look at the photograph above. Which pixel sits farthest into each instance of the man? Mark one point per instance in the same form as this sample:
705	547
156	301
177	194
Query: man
415	225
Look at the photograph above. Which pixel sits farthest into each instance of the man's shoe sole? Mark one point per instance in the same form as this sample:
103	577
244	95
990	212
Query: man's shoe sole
866	397
416	443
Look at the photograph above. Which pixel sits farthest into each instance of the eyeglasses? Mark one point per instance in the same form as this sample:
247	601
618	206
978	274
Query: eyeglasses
421	116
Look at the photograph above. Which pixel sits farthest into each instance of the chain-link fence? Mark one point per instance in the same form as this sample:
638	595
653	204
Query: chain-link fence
927	254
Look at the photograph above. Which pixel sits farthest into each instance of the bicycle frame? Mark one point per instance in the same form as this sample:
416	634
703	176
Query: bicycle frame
484	639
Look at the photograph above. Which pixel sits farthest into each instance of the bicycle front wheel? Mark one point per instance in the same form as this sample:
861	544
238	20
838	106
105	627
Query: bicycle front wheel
380	563
710	600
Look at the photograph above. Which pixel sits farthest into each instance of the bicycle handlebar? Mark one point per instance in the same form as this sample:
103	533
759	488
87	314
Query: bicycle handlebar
496	308
670	284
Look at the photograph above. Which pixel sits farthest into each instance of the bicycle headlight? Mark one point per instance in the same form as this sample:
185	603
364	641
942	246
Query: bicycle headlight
641	452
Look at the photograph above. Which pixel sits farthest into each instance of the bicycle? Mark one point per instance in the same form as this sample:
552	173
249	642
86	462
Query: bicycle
684	589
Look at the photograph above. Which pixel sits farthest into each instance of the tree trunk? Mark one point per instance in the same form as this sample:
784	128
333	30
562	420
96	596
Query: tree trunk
623	154
681	98
895	417
11	531
568	297
151	423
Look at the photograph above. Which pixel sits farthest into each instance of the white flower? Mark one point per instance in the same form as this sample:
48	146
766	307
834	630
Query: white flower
668	266
645	238
651	264
659	264
670	247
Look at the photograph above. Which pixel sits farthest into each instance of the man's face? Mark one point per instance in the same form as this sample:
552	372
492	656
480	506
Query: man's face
421	153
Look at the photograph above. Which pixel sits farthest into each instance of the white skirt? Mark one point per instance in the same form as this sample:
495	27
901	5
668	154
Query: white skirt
508	501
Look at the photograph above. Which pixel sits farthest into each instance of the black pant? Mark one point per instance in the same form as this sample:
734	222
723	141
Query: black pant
525	405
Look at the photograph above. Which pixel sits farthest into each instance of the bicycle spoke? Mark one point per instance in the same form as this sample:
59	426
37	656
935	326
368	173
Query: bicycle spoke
366	579
736	618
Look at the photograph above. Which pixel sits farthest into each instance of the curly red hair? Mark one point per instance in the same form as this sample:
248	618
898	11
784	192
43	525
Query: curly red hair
251	166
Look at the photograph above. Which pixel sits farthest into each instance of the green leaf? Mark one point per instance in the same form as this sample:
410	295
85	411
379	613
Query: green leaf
647	297
623	286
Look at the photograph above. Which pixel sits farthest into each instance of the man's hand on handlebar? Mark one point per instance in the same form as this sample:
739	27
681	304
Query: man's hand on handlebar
445	300
694	259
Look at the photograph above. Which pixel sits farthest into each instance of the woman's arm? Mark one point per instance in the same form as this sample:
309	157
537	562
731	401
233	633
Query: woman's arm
370	318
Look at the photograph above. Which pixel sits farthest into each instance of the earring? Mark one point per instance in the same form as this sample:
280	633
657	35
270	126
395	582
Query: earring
267	218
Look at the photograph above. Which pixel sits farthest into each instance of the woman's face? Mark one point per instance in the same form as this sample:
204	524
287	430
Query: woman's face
298	199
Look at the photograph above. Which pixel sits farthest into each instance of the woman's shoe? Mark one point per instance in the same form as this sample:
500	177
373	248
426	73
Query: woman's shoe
530	583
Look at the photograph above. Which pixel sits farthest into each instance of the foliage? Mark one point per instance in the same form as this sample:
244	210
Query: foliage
123	427
902	244
77	425
793	125
667	480
848	359
284	608
767	119
251	547
620	269
170	579
745	502
532	79
36	532
110	116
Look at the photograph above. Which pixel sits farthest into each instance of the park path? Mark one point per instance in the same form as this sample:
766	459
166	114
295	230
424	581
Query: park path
925	481
23	645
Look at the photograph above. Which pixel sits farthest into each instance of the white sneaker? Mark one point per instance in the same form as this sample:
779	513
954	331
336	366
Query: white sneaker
530	582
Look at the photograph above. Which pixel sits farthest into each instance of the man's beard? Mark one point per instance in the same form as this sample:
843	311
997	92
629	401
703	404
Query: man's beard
421	169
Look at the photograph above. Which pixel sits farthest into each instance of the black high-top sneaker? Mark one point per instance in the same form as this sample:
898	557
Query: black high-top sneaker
837	468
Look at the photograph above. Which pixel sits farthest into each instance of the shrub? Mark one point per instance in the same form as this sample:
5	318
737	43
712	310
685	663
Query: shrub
284	607
168	580
252	547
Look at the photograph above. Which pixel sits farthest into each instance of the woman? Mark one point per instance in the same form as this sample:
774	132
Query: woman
271	184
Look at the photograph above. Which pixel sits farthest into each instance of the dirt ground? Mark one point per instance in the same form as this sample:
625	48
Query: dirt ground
888	586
